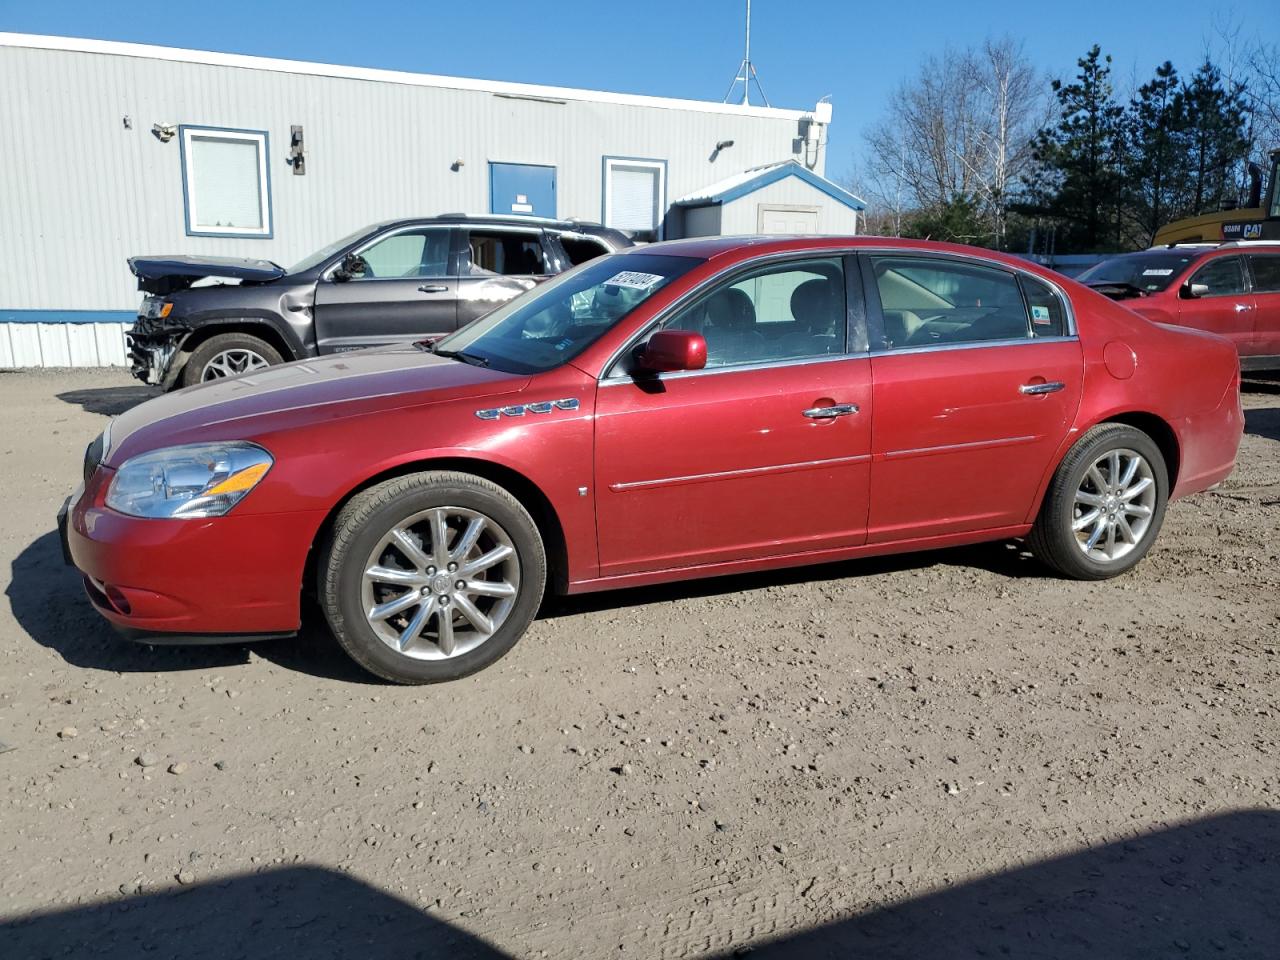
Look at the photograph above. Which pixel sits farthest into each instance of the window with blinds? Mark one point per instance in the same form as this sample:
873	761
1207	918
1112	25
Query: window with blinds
226	183
635	194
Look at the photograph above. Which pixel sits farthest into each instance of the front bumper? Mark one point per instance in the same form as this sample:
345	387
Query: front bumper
195	581
152	347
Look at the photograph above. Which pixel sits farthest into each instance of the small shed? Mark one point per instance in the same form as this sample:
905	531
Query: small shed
784	197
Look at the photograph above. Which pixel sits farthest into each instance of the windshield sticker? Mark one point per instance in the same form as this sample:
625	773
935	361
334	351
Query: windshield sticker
633	279
1156	273
1040	315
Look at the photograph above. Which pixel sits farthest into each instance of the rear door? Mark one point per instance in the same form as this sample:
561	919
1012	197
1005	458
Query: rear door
407	291
977	379
1264	269
497	264
1226	307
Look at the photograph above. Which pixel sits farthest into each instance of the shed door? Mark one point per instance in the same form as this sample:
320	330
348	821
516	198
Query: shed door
524	189
788	220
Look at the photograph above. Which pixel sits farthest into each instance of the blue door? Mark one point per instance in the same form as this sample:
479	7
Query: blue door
523	189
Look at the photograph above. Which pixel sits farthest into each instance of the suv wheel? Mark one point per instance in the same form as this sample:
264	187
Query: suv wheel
432	576
226	355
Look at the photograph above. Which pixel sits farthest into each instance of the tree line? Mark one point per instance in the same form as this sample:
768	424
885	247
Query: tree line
978	148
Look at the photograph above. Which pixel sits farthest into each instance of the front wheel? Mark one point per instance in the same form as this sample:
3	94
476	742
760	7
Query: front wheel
228	355
1104	505
432	576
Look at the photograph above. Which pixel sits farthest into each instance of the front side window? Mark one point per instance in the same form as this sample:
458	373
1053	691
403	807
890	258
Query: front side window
1266	272
1222	278
554	322
408	255
225	180
930	302
786	311
508	253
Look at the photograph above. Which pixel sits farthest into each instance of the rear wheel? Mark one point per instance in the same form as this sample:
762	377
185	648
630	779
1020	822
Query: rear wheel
432	577
228	355
1104	506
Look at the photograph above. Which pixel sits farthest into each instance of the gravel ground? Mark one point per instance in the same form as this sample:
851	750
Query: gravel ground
947	754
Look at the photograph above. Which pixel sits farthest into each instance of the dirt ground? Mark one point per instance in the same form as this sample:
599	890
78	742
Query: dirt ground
948	754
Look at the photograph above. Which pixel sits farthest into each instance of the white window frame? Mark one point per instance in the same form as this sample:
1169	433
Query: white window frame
658	165
188	133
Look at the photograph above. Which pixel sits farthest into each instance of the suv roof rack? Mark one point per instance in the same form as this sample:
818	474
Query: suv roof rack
1252	243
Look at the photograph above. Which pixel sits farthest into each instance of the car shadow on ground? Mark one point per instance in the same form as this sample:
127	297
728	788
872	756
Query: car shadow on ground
49	603
1199	889
1007	558
1263	422
109	401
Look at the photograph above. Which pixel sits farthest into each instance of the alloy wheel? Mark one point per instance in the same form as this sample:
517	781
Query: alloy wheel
230	363
1114	505
440	583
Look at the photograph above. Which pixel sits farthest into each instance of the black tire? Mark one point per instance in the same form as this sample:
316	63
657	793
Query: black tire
1052	539
366	520
193	372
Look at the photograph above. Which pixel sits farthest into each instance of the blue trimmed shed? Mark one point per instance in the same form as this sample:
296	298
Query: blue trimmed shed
784	197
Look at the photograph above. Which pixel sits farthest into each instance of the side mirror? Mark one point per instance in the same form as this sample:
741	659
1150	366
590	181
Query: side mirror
1194	291
352	266
671	350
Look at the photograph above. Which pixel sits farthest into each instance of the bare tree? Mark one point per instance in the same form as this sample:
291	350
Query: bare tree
959	130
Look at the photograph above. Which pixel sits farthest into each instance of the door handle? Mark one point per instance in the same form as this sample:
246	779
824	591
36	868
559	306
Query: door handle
1242	307
1035	389
835	410
433	288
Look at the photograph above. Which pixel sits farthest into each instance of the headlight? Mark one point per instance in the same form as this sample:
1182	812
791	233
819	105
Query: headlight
196	480
155	308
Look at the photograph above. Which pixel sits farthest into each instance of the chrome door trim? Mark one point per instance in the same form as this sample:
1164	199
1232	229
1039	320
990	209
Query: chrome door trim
628	485
973	345
827	413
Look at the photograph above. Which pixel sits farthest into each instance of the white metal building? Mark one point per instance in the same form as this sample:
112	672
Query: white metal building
114	149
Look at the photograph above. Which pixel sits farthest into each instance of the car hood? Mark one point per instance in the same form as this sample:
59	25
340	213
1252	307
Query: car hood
165	274
331	387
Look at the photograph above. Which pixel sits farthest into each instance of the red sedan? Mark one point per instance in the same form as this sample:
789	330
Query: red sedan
680	410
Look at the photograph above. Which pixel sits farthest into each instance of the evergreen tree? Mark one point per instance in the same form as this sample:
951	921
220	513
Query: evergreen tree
1157	154
1079	161
1217	139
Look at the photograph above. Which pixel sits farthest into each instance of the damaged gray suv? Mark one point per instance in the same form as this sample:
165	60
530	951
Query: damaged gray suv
392	282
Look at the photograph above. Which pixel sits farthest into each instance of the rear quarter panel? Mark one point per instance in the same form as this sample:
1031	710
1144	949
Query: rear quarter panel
1187	378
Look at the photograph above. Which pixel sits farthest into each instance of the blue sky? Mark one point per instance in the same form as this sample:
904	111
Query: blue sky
854	51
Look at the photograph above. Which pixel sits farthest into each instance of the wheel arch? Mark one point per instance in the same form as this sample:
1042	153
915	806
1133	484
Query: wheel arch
1161	433
530	496
262	329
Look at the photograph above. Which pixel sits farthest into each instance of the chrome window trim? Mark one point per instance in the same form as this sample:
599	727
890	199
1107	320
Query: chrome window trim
974	345
327	275
736	368
833	252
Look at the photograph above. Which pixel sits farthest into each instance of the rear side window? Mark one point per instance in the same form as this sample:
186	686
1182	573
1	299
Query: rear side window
1266	272
581	249
1223	277
926	302
506	253
1048	317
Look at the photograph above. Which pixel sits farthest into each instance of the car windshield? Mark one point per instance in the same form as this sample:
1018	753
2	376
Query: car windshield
553	323
1149	272
324	253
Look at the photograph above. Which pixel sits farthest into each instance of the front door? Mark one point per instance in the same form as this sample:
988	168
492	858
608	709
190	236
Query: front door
1224	307
404	292
763	453
977	382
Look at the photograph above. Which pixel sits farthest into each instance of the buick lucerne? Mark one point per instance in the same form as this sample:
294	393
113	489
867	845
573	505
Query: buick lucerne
685	409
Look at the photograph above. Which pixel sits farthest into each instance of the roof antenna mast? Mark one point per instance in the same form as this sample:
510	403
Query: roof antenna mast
746	72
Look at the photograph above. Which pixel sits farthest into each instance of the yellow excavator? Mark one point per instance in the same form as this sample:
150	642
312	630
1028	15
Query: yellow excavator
1258	220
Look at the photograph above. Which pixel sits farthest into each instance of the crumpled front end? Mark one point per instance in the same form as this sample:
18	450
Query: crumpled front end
153	344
